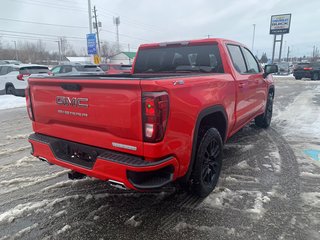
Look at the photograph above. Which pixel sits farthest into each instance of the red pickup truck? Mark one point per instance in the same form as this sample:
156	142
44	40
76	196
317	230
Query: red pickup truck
165	122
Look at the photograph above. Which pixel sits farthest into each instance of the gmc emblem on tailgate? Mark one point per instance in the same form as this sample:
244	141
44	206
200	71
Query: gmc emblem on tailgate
72	101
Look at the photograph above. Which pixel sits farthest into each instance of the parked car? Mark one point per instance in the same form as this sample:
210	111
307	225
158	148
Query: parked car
16	62
14	78
115	68
307	70
283	68
166	122
74	69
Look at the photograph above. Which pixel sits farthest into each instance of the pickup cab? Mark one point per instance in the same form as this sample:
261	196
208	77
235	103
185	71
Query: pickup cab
165	122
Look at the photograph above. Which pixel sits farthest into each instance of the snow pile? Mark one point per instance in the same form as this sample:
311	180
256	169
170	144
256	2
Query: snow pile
10	101
258	204
218	197
245	166
64	229
132	222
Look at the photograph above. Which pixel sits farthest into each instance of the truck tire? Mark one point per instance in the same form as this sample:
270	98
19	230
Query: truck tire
208	163
264	119
315	76
10	90
298	78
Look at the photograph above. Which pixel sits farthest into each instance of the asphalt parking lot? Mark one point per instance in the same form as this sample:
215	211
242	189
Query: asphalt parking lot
269	188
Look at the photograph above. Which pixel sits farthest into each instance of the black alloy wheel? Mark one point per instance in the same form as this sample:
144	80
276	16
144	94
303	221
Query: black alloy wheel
208	163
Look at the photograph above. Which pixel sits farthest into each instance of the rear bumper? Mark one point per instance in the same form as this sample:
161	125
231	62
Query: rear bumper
133	171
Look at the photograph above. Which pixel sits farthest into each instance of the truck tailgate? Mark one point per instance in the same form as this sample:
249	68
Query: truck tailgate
104	112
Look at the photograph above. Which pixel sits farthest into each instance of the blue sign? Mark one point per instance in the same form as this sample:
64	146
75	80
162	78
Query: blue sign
92	43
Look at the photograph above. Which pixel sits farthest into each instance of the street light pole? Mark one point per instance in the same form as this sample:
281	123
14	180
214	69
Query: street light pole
15	47
90	16
59	50
253	36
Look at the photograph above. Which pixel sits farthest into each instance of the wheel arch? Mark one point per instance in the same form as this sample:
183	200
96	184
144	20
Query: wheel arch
8	84
208	115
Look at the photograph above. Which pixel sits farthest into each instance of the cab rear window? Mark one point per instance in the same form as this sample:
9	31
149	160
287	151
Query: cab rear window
180	58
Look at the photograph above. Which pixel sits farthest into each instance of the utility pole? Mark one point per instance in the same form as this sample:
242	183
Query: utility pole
90	16
59	42
15	47
288	54
97	25
116	21
253	36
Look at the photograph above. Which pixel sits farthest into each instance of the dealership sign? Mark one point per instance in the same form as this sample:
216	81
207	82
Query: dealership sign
280	24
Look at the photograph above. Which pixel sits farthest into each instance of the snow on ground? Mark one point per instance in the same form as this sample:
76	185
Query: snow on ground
22	210
10	101
225	198
311	199
22	182
283	76
225	231
301	118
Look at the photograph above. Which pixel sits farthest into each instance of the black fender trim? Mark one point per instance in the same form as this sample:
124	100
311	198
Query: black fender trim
202	114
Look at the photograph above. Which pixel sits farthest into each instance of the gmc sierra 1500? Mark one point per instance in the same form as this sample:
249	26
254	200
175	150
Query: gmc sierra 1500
166	121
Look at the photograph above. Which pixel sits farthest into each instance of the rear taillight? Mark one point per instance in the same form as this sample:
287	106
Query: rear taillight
155	111
21	76
307	68
29	104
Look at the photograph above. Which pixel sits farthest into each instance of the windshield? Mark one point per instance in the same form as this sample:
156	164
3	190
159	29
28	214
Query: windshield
205	58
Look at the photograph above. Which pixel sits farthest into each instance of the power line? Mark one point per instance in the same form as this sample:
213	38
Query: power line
133	21
70	8
40	23
38	34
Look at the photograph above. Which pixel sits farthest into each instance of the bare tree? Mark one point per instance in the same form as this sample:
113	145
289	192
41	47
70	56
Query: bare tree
108	50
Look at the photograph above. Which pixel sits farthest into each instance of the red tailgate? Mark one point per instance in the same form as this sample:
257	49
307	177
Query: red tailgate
104	112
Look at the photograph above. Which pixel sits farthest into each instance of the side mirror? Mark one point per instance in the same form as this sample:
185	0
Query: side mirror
268	69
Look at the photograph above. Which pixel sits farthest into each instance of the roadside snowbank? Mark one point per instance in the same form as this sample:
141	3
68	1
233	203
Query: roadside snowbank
10	101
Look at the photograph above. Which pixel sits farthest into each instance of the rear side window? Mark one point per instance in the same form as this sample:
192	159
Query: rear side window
34	70
237	58
4	70
252	64
179	58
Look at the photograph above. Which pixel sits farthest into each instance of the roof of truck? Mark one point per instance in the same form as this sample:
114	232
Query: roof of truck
188	42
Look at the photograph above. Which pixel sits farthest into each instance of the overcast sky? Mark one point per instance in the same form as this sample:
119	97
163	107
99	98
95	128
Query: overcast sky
145	21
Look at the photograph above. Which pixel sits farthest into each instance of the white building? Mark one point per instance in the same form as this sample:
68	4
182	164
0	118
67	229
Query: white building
123	58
